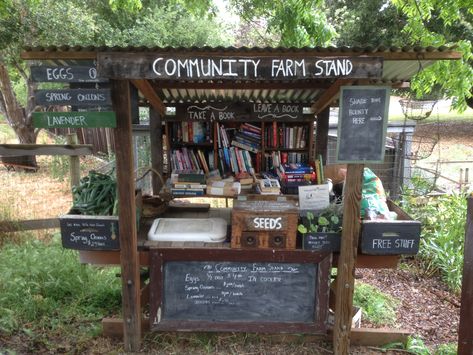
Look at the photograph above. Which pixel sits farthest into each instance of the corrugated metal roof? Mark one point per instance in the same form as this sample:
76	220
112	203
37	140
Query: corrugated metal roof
399	65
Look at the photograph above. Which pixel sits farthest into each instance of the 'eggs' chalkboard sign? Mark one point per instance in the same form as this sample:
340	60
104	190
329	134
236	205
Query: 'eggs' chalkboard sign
362	123
238	290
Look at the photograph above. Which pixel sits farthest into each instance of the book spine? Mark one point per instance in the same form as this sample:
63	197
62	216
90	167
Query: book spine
245	146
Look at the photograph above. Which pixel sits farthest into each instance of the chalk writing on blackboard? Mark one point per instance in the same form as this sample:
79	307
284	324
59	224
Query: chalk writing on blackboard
363	117
226	291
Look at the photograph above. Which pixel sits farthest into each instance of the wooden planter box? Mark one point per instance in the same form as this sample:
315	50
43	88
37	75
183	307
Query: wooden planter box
84	232
390	237
320	241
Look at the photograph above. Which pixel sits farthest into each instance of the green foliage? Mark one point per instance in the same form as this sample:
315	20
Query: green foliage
44	288
328	220
442	236
366	23
446	349
296	23
435	23
378	307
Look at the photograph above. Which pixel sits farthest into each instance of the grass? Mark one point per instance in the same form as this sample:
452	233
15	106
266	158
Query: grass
7	135
377	307
45	291
442	236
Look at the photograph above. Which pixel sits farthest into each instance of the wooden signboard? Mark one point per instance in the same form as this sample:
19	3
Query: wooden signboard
237	290
163	66
90	119
362	124
89	232
73	97
242	112
65	74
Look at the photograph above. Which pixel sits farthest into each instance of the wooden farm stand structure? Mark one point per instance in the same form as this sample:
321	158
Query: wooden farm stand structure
153	72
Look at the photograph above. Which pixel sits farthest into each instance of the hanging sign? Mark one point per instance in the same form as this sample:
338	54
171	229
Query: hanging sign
74	97
196	67
65	74
362	124
91	119
232	111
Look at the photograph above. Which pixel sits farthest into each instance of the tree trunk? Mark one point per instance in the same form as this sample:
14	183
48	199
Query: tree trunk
18	117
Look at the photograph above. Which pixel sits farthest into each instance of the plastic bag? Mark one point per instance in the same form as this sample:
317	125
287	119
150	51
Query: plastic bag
373	200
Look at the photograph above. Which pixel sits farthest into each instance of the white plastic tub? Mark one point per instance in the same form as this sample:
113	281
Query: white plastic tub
188	230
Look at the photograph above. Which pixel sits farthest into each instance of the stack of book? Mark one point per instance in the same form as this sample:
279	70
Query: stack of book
248	137
297	172
188	159
246	181
268	186
188	184
232	159
222	187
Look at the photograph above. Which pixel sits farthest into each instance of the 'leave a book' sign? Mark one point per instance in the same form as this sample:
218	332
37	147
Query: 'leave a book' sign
91	119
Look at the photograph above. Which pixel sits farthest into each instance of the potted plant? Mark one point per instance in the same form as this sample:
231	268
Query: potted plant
322	231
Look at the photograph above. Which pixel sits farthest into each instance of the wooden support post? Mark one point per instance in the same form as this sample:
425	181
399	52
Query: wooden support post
129	260
465	335
321	138
347	259
74	162
156	142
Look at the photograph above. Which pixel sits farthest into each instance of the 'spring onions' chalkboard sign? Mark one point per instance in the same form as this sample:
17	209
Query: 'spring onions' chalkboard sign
238	290
362	123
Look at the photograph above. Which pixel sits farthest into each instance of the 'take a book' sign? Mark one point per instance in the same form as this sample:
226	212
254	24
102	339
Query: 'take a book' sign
91	119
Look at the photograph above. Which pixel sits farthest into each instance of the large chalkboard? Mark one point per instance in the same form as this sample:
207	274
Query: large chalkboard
362	124
230	293
233	291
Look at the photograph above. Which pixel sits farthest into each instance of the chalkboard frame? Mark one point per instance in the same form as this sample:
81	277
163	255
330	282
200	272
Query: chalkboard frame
158	258
382	148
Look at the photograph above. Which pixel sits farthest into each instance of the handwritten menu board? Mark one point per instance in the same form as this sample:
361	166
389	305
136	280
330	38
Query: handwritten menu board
238	291
362	124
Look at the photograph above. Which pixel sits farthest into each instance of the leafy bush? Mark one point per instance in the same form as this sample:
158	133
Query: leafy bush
43	286
443	232
378	307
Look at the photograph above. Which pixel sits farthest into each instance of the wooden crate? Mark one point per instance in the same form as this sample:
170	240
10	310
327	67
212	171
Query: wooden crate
264	224
383	237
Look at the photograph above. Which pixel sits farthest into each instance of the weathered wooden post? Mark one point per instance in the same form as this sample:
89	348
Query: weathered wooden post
465	335
156	142
345	283
74	162
129	258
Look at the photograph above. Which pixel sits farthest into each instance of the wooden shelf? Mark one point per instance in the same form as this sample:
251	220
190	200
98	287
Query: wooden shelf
286	149
191	144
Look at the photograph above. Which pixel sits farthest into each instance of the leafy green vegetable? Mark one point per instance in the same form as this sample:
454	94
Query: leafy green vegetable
95	195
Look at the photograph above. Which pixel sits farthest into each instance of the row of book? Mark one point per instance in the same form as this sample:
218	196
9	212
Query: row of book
190	132
285	137
275	158
194	160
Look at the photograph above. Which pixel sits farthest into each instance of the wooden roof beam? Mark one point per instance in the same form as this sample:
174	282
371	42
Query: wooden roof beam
330	95
150	94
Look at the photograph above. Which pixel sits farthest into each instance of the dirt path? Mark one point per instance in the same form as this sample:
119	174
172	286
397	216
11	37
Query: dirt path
426	307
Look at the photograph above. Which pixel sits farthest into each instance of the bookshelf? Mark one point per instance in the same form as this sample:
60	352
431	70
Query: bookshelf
238	137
